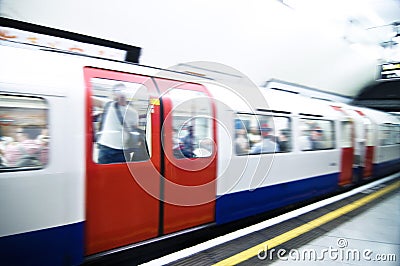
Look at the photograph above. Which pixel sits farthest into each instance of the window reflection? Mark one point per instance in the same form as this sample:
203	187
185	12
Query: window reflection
388	134
120	118
316	134
192	124
257	134
24	135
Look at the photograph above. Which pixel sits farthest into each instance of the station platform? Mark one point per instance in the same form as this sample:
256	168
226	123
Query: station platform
358	227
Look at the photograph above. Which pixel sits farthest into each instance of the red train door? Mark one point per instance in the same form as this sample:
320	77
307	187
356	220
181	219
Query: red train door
347	147
122	197
369	148
347	158
188	139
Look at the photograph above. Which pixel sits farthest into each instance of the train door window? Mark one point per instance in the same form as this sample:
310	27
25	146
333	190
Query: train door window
192	124
347	133
24	134
316	134
369	132
256	134
121	121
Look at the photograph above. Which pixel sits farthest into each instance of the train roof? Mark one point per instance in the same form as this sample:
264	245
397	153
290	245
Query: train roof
302	105
24	64
380	117
49	71
20	32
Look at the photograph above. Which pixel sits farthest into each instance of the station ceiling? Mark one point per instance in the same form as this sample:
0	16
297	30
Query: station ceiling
332	45
384	95
381	21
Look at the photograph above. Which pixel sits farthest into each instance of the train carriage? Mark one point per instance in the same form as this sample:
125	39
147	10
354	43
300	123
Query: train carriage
251	150
384	137
254	182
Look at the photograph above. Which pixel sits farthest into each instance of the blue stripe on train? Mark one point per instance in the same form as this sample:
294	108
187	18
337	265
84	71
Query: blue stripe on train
386	168
61	245
242	204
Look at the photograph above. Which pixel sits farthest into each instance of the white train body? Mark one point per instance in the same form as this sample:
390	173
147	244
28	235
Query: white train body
72	206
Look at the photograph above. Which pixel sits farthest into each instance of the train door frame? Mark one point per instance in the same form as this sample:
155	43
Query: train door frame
119	211
368	147
347	170
187	202
131	202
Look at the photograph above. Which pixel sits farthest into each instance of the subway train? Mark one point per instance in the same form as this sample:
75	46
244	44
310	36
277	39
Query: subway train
120	153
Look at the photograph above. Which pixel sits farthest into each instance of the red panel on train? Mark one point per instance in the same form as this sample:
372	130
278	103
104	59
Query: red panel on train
190	173
118	210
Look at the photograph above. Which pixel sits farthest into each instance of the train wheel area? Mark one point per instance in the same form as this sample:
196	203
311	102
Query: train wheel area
358	227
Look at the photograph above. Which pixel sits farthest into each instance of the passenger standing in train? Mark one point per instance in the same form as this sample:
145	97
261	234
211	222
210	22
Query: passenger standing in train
117	123
27	151
266	145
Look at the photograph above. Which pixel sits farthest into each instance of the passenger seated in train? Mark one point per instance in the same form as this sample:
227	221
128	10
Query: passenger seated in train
28	150
254	135
185	148
4	141
266	145
205	148
241	142
312	138
304	140
317	139
191	146
283	140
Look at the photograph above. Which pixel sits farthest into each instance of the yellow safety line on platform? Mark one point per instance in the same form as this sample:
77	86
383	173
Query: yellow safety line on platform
278	240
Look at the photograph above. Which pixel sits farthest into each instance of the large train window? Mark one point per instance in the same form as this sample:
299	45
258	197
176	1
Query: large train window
121	121
257	134
24	135
192	124
388	134
316	134
369	132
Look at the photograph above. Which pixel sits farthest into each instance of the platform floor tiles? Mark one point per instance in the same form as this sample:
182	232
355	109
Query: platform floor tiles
370	238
